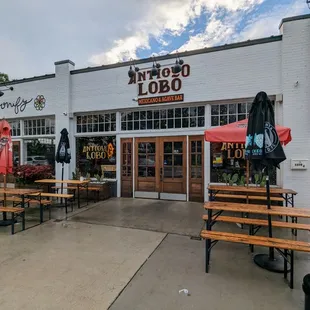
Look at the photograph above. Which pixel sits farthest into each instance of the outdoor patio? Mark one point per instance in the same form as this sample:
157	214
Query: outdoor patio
113	267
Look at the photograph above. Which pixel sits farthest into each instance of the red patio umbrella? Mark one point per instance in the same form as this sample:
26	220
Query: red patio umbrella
236	132
6	158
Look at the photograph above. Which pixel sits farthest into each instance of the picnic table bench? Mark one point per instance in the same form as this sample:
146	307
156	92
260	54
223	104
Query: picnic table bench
15	213
66	197
285	247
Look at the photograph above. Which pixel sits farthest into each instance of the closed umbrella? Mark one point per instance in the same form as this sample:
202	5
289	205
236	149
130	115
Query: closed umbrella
6	158
264	150
63	154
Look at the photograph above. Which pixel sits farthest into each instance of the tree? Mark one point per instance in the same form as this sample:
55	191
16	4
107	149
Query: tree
4	78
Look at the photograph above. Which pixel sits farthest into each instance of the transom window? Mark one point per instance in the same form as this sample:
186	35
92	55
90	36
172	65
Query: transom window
96	122
223	114
40	126
15	126
187	117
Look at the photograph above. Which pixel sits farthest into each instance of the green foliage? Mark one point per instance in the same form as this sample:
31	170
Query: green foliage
97	176
224	176
87	176
76	175
241	181
4	78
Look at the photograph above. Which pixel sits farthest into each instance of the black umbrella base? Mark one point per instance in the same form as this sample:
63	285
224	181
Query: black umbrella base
273	265
6	222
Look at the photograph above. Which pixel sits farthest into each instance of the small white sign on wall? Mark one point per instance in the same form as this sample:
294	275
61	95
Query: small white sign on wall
299	164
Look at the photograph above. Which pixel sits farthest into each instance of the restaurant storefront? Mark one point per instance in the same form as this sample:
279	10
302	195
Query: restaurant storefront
146	132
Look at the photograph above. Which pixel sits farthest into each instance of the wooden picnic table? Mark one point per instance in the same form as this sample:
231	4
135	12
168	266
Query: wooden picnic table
285	247
22	192
287	194
78	184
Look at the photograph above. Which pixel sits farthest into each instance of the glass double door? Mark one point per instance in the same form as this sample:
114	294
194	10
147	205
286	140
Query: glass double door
161	168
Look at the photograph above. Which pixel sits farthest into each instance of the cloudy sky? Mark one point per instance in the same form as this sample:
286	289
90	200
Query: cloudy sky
36	33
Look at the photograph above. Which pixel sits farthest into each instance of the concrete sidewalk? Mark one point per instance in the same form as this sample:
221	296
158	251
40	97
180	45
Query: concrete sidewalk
70	265
176	217
234	281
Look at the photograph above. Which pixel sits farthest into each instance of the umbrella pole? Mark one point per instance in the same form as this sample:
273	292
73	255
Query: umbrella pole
62	178
269	261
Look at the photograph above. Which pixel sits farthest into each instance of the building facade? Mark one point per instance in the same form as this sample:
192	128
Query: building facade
146	131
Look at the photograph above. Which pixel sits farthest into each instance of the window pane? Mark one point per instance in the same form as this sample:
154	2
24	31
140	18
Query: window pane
214	120
178	147
163	124
193	122
223	109
167	147
177	112
201	111
185	122
241	117
142	125
149	125
193	111
223	120
178	160
232	108
201	121
185	112
177	123
170	113
149	114
232	118
241	108
170	123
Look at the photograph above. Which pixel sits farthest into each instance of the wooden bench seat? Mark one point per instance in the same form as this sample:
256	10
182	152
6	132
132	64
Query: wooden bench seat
65	187
258	222
54	195
15	212
258	209
249	197
286	245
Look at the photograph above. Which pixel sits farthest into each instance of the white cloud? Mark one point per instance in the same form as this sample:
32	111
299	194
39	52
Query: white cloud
98	32
173	16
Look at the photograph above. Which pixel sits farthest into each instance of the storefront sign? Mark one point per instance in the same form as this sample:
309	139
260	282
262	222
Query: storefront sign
234	150
165	82
20	104
98	151
161	99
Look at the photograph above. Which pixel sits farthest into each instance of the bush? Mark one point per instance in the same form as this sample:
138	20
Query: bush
28	173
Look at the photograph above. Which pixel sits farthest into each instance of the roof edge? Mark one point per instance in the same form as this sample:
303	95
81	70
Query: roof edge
182	54
62	62
31	79
293	18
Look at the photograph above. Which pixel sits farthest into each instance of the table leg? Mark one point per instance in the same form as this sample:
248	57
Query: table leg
12	224
66	205
78	192
208	241
87	193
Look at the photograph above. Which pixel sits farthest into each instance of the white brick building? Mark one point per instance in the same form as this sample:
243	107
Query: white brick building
157	145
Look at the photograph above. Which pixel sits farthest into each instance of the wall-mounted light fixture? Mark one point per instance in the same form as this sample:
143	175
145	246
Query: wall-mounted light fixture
178	65
177	68
132	72
6	88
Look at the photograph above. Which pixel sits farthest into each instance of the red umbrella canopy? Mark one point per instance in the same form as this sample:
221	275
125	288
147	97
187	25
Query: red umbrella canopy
236	132
6	158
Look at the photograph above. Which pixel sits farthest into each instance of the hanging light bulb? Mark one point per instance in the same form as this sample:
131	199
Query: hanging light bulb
154	70
177	68
131	73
